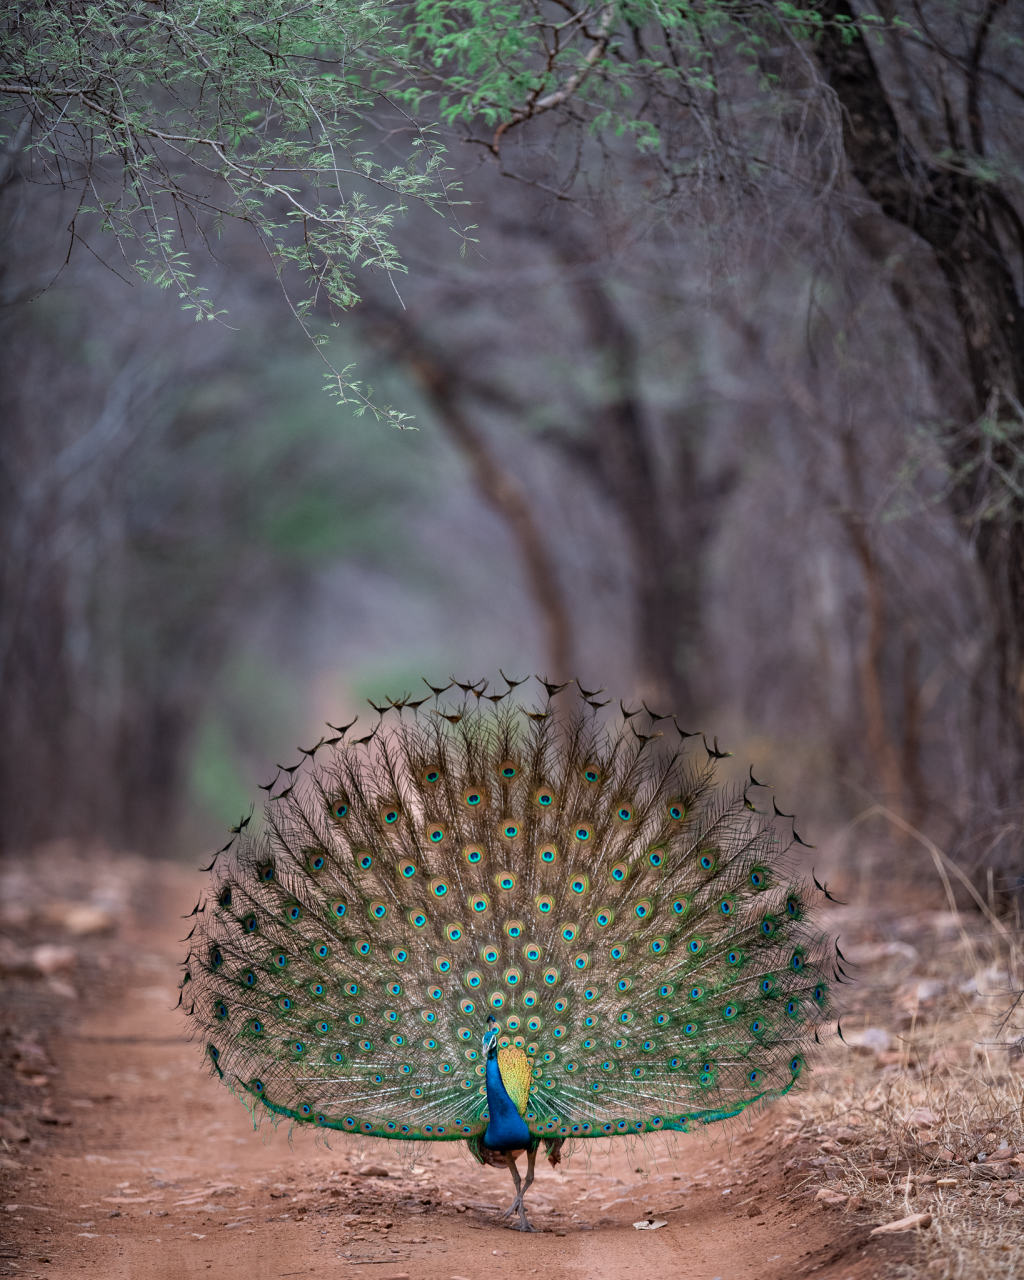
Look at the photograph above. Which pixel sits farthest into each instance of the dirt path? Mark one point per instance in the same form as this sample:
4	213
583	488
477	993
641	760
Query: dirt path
138	1165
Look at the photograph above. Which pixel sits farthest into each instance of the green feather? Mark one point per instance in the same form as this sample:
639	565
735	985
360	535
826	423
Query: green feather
629	924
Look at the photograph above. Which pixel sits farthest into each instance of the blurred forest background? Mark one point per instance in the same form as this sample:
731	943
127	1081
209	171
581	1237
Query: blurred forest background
730	422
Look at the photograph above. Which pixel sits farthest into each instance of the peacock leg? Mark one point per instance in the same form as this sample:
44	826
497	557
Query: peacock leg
531	1157
510	1160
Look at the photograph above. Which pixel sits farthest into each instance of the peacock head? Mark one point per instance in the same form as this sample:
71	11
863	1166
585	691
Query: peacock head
490	1042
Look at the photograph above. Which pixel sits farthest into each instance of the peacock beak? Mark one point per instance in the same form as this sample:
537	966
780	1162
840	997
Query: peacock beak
491	1034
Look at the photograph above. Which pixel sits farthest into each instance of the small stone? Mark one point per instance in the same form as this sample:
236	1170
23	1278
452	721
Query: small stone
50	959
754	1211
11	1132
374	1171
1012	1198
924	1117
914	1222
833	1199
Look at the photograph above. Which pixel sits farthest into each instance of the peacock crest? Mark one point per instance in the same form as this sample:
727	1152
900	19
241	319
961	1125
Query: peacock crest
630	928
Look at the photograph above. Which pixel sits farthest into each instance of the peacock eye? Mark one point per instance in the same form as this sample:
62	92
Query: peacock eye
508	769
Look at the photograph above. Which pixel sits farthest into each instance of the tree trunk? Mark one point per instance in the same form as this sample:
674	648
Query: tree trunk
959	218
499	489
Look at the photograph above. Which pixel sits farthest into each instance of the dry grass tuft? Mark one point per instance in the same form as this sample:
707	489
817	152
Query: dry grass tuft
924	1111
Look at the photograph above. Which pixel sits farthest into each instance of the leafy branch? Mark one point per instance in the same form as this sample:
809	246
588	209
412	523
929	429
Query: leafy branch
168	117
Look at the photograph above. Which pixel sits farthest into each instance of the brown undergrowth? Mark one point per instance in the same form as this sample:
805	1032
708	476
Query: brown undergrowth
921	1111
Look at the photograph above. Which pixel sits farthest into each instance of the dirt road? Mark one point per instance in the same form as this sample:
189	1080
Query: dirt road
134	1163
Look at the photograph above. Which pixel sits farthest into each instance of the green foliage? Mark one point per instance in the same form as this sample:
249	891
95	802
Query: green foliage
503	62
168	117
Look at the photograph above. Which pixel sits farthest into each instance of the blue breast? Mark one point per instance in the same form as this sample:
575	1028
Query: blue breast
506	1129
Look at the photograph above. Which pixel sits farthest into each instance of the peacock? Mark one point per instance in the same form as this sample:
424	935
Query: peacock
507	925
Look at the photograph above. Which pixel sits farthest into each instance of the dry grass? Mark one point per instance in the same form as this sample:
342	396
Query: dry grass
923	1124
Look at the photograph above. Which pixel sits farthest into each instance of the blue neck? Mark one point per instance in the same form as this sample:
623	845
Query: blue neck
506	1129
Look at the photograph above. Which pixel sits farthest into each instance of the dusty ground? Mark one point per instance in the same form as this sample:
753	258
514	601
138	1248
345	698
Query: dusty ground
120	1157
